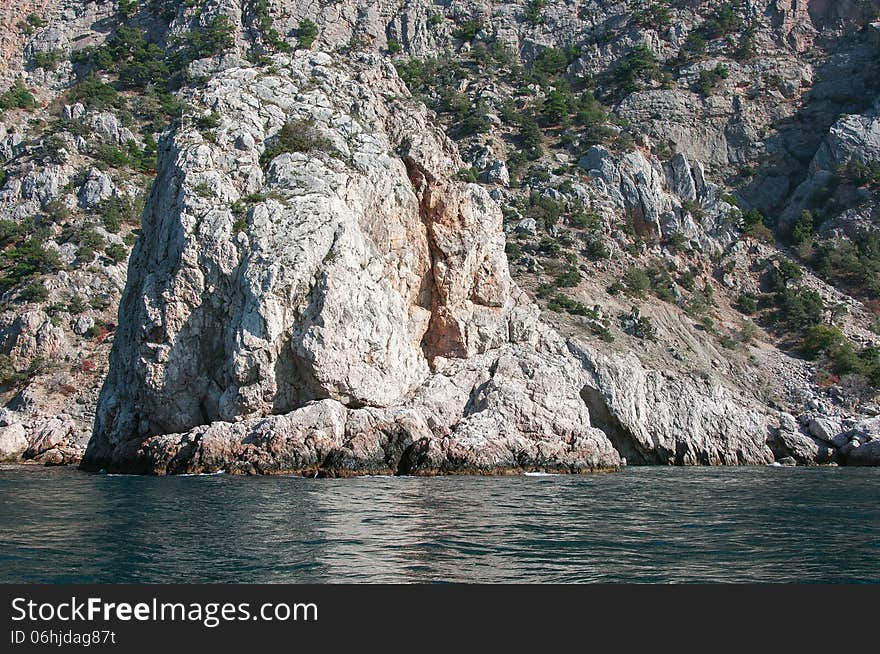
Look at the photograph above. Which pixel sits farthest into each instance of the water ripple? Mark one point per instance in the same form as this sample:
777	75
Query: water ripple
641	525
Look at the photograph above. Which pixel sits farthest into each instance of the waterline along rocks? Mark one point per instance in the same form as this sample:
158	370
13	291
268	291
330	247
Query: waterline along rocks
400	238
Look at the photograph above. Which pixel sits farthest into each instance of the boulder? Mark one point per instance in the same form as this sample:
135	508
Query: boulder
13	442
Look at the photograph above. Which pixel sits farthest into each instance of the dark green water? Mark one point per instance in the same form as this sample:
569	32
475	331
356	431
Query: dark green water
640	525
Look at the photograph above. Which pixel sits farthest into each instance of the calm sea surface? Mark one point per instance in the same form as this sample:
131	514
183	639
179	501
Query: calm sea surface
639	525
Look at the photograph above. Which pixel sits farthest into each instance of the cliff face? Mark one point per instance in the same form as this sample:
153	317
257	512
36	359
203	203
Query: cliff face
366	307
330	278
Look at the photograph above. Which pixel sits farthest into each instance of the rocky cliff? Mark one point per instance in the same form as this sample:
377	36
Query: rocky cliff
389	238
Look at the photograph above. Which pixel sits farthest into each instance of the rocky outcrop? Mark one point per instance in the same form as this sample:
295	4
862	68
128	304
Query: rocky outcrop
661	417
860	446
364	321
13	442
662	200
853	138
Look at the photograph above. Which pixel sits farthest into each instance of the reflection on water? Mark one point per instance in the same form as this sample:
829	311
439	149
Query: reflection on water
640	525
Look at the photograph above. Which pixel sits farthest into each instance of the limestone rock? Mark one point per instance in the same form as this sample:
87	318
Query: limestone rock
655	417
52	434
367	274
97	187
863	446
824	428
13	442
30	338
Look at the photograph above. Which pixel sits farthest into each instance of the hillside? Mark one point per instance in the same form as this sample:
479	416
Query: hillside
400	237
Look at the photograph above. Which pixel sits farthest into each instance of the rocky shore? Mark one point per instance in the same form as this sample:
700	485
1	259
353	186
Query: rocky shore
327	277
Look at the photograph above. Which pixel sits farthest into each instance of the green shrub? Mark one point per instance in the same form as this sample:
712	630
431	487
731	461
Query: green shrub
570	277
513	251
94	94
532	139
555	108
137	62
76	305
747	332
747	303
110	154
57	211
534	12
863	174
644	329
799	309
753	226
601	331
128	8
209	121
802	228
662	284
821	338
467	30
546	211
467	175
653	16
208	41
773	81
89	242
638	66
677	242
99	302
10	377
31	23
747	47
550	62
593	118
549	248
637	282
267	29
307	33
724	21
17	97
596	249
25	260
708	80
295	136
9	231
852	264
560	302
695	44
34	291
584	220
48	60
472	120
784	272
35	20
701	301
116	252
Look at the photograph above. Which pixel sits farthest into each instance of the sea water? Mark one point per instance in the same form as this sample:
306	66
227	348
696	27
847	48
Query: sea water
653	524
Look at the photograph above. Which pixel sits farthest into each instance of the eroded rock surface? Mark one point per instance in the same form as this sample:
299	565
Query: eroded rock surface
347	307
365	320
